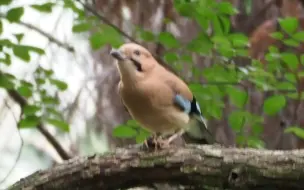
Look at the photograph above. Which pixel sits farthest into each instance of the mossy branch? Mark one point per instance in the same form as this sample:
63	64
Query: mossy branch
195	166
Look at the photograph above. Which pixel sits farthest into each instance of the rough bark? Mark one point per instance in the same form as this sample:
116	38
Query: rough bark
196	166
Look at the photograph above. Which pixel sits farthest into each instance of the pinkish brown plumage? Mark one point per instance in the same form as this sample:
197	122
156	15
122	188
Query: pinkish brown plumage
148	90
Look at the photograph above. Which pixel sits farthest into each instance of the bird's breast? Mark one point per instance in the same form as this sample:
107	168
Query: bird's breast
155	117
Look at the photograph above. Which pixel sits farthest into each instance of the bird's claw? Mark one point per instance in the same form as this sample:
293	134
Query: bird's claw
157	142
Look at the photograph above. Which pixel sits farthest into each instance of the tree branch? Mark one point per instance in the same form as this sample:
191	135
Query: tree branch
22	102
45	34
196	166
48	36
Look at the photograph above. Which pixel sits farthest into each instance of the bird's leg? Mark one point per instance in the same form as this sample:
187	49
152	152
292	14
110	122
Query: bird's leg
166	143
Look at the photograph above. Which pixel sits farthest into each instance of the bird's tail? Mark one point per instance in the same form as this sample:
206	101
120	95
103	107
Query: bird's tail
198	131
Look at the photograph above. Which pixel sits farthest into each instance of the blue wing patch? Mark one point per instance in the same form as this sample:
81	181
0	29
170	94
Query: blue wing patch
183	103
189	107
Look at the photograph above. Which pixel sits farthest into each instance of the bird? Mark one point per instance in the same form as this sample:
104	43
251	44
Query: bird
160	101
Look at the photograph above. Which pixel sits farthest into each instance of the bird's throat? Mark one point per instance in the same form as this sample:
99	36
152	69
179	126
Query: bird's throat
127	73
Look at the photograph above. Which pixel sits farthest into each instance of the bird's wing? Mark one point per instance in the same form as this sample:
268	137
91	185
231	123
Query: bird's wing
182	96
184	99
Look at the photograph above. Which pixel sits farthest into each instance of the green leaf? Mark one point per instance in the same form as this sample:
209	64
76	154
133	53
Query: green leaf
295	130
5	42
200	44
81	27
257	129
290	59
97	40
34	49
124	131
132	123
237	96
238	40
186	58
299	36
48	72
274	49
25	91
215	110
59	124
168	40
40	81
26	83
49	100
15	14
221	40
59	84
277	35
5	2
22	53
6	60
46	7
289	24
147	36
291	43
285	86
170	57
302	59
226	8
29	122
237	120
241	140
19	37
217	26
30	109
6	82
290	77
274	104
142	136
54	113
112	36
255	142
185	9
225	23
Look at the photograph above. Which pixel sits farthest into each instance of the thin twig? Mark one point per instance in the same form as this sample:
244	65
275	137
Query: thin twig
123	33
48	36
20	149
45	34
57	146
105	20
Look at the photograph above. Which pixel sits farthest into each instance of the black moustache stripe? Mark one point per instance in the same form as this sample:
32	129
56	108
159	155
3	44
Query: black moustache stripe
137	64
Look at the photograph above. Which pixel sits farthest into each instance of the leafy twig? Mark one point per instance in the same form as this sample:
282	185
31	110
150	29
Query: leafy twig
45	34
22	102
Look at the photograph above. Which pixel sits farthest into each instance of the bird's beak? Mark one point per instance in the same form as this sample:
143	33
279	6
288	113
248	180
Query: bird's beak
117	54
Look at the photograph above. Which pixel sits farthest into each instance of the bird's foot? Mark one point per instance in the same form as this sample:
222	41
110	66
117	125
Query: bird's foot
153	142
158	142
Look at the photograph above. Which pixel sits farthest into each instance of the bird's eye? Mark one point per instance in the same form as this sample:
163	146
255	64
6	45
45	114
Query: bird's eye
136	52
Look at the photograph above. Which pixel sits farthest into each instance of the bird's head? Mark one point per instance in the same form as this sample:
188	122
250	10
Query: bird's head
133	61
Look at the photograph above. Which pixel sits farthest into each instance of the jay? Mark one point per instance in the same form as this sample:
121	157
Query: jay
156	98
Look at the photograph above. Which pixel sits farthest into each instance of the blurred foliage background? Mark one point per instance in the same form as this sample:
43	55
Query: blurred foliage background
58	84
